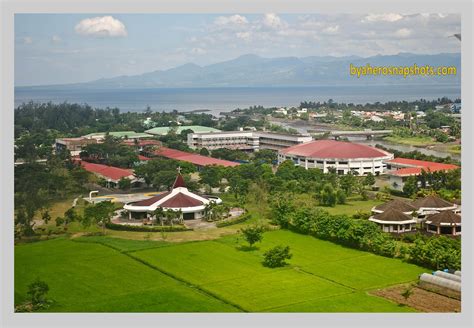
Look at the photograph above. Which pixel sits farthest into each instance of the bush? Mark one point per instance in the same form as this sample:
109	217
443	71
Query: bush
276	256
124	227
228	222
252	234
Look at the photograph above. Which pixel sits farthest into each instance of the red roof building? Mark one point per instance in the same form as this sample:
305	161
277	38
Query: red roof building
344	157
190	205
402	168
110	173
195	159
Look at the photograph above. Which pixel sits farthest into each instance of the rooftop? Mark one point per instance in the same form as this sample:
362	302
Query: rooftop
396	204
392	215
111	172
192	158
334	149
444	218
196	128
432	202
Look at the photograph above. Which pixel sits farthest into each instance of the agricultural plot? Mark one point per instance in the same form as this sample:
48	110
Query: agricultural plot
86	277
104	274
319	276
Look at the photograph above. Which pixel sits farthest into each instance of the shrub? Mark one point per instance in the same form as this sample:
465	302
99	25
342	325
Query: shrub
124	227
276	256
37	292
228	222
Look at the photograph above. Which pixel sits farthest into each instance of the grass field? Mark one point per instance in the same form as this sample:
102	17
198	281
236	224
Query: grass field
110	274
419	141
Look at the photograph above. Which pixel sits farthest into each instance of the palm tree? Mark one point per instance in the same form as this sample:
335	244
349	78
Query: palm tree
159	214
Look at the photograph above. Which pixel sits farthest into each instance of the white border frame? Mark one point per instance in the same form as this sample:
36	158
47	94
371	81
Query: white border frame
10	7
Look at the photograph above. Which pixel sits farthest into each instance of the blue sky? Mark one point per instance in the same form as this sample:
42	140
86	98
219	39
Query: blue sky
68	48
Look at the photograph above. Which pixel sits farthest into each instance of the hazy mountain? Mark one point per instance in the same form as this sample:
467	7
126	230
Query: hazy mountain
254	71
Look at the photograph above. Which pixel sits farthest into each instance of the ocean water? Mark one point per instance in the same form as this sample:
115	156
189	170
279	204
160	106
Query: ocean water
224	99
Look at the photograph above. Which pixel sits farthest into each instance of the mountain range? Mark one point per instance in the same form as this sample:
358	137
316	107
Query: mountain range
255	71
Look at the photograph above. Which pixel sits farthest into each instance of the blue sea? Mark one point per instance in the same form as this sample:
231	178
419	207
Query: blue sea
224	99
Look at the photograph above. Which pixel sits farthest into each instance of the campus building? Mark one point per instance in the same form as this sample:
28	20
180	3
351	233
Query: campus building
344	157
190	205
74	145
405	207
164	130
444	223
400	169
245	140
111	174
432	205
192	158
394	221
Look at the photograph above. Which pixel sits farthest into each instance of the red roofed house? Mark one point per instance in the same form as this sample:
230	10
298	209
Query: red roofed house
111	174
344	157
195	159
191	205
402	168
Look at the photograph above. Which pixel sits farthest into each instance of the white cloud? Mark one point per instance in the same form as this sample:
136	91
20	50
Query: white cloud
56	39
331	29
105	26
382	18
243	35
403	33
273	21
27	40
231	20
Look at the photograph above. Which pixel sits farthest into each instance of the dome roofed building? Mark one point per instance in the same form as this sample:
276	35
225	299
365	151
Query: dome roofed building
179	198
431	205
394	221
344	157
396	204
444	223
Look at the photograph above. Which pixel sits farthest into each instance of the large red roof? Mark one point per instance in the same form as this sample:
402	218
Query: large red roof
415	166
334	149
181	200
111	172
152	200
191	158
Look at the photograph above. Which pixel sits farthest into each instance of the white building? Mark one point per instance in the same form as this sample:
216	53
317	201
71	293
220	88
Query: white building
245	140
344	157
394	221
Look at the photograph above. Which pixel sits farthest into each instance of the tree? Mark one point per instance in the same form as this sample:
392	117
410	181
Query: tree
410	187
276	256
124	183
407	292
369	180
98	214
328	196
204	152
37	292
252	234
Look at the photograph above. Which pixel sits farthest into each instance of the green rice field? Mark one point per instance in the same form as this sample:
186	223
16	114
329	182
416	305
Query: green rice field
105	274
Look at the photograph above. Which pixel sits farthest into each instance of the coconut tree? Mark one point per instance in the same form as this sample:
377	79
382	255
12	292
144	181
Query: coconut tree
159	213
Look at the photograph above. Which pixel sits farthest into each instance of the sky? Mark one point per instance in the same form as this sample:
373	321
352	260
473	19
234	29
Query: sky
68	48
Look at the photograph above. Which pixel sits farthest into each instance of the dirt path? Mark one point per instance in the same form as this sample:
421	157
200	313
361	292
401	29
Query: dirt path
421	299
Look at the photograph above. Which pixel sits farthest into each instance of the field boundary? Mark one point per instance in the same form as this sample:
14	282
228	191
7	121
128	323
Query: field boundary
170	275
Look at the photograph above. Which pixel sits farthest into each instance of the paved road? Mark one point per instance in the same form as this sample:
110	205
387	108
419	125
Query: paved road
123	198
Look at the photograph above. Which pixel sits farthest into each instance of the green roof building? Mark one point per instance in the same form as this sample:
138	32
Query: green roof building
196	128
118	134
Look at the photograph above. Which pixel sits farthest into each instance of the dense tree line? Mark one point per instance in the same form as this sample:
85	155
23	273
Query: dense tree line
434	252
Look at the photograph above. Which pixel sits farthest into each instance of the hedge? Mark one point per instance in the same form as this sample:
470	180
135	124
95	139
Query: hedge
126	227
240	219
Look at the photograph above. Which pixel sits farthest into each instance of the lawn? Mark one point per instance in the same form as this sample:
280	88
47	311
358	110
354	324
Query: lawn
101	274
353	204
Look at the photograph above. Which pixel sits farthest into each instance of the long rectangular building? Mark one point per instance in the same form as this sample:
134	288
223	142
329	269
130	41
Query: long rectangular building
245	140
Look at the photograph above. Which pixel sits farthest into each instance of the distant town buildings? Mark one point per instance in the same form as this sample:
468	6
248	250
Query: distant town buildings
74	145
344	157
245	140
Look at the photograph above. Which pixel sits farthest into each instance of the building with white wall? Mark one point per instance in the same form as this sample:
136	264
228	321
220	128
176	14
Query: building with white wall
344	157
245	140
